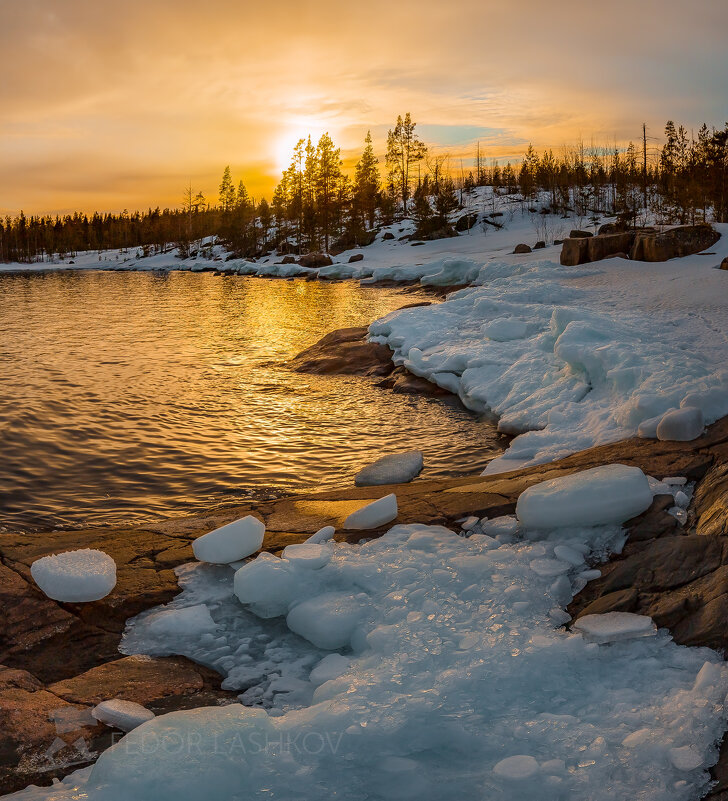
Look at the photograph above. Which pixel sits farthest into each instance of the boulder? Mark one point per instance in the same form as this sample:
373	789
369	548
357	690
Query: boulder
606	245
388	235
724	264
611	228
683	240
522	249
577	234
288	260
466	222
539	245
574	251
344	352
356	257
315	260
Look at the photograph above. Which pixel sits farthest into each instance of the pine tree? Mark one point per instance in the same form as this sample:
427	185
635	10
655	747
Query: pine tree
366	183
227	191
327	180
404	149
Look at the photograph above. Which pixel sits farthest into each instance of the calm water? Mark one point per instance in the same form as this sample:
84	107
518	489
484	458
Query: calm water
130	396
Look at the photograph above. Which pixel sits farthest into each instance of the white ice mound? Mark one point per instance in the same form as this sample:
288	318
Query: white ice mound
322	535
328	620
309	555
681	425
75	576
615	626
268	584
397	468
330	667
231	542
600	496
190	621
124	715
503	329
373	514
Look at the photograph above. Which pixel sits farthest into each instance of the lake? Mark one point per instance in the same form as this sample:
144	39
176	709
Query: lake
126	397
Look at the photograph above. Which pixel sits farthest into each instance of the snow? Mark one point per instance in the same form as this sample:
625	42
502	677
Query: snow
374	514
395	468
599	496
75	576
681	425
231	542
310	555
124	715
615	626
329	668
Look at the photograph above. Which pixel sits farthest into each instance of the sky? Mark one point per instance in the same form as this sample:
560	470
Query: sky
111	105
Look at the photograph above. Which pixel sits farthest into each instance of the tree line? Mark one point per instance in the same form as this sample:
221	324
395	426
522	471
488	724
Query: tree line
317	205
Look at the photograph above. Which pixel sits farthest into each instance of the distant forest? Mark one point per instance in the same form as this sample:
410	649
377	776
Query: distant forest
318	206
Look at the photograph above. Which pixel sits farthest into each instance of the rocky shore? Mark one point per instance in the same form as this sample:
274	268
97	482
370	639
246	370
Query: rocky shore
57	660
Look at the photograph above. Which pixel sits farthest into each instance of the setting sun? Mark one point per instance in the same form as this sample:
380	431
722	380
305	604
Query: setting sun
299	128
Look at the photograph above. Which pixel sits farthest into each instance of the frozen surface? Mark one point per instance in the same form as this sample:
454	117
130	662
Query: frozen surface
600	496
454	681
188	621
231	542
75	576
124	715
396	468
374	514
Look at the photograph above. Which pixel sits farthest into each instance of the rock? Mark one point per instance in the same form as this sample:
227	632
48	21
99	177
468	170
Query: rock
710	503
356	257
466	222
558	241
396	468
683	240
522	249
315	260
539	245
403	382
681	425
607	245
611	228
724	264
575	251
577	234
387	236
287	260
344	352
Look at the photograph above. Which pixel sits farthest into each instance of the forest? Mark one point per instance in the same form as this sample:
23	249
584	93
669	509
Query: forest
319	206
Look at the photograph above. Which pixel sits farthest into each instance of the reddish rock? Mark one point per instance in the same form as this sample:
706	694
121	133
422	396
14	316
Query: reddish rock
575	251
683	240
344	352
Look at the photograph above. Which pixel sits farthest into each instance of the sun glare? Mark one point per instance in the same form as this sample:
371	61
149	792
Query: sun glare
295	130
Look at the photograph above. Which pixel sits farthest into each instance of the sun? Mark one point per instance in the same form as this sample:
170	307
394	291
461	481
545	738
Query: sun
295	129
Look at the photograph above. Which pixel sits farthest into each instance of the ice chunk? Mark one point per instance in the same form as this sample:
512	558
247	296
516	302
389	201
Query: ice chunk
600	496
231	542
124	715
330	667
469	523
570	555
309	555
373	514
328	620
267	583
681	425
681	499
322	535
549	567
507	525
75	576
614	626
521	766
396	468
189	621
504	328
647	429
685	758
675	481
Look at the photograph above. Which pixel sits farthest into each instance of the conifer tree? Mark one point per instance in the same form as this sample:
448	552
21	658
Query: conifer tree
404	149
366	183
227	191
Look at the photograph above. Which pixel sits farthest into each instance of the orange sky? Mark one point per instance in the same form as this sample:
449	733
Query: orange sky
119	104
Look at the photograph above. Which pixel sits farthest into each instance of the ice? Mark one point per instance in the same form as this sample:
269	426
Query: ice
453	663
516	767
329	620
268	584
507	525
330	667
615	626
469	523
374	514
396	468
190	621
681	499
676	481
231	542
124	715
309	555
504	328
75	576
322	535
681	425
686	758
599	496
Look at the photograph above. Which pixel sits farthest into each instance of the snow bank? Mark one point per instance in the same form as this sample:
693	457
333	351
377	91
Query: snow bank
395	468
601	496
231	542
569	358
456	682
124	715
75	576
